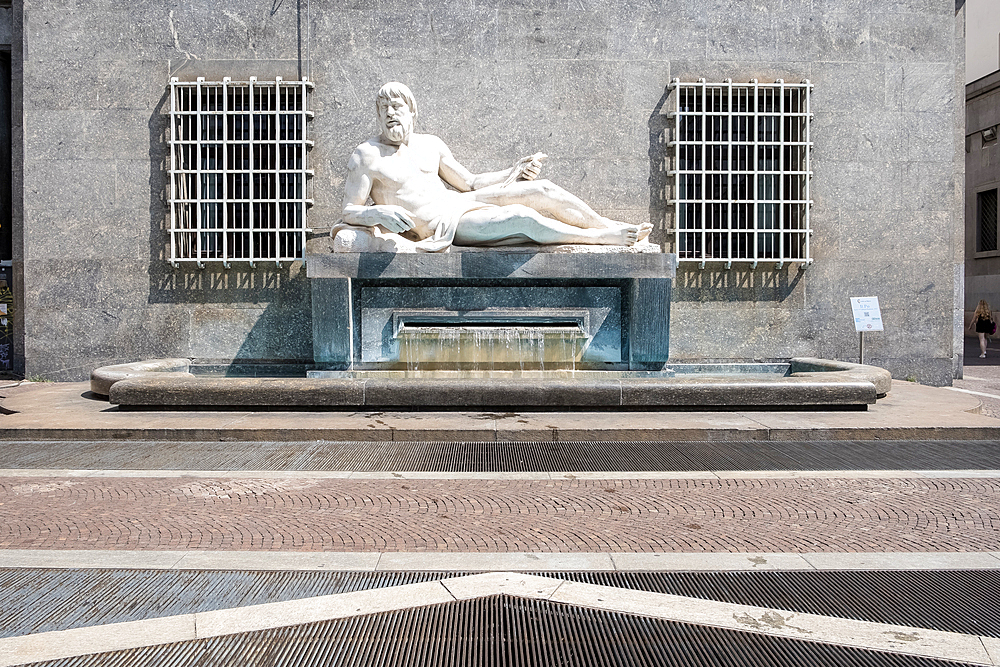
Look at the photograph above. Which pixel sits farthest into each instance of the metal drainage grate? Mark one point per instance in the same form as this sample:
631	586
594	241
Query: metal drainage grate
963	601
39	600
498	631
622	456
43	600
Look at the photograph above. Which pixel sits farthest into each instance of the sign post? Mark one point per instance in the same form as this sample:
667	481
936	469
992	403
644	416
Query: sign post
867	317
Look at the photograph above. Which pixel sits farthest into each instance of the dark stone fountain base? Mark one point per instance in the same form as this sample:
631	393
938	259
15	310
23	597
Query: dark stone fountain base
372	312
619	301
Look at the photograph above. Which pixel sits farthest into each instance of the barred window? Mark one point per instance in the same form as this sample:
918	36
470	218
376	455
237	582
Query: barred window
741	172
986	216
239	170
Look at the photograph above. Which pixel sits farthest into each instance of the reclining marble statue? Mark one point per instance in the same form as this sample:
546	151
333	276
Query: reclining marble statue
396	198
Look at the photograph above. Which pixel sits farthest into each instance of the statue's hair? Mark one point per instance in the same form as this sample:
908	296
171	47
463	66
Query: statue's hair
396	89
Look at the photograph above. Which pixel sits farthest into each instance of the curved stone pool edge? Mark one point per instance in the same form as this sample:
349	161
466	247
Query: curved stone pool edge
163	384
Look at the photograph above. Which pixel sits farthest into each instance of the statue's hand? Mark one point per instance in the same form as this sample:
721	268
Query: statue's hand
528	168
391	217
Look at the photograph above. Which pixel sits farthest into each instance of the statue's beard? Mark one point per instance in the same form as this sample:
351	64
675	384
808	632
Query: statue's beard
396	134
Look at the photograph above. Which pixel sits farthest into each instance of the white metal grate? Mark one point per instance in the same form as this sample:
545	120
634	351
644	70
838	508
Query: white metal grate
239	170
741	172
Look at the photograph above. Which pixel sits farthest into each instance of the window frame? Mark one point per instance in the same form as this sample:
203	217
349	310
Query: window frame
238	170
750	214
995	250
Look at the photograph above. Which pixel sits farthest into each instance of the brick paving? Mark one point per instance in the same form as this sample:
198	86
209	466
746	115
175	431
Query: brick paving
766	515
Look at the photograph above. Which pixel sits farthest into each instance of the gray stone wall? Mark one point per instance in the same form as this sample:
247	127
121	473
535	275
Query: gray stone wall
585	82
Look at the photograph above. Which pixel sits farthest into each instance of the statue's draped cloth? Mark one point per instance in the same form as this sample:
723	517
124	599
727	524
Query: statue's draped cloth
436	231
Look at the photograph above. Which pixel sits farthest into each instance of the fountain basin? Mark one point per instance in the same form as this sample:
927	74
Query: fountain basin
513	329
801	383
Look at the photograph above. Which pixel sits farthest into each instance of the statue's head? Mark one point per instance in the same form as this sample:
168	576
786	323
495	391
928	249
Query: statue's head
397	111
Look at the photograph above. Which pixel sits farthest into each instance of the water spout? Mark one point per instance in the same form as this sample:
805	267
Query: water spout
487	347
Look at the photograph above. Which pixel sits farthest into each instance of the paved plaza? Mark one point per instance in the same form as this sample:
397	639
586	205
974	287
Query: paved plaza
85	488
501	516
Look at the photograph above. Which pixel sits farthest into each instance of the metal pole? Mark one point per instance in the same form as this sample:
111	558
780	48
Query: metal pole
861	353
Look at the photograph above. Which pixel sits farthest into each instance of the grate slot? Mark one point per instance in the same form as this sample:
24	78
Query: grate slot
514	456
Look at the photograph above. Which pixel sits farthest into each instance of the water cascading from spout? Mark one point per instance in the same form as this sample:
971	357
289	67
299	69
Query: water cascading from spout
481	346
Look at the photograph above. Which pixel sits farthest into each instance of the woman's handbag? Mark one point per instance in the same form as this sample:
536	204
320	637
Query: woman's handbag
993	328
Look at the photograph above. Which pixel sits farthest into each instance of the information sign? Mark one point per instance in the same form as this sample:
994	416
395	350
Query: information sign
867	316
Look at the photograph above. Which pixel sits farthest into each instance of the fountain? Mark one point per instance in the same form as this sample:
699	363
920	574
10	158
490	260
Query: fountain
453	290
518	329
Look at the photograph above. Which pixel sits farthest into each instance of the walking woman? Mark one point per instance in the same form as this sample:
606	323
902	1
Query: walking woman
982	320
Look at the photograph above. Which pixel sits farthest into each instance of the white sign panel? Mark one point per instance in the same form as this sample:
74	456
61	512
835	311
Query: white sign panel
867	316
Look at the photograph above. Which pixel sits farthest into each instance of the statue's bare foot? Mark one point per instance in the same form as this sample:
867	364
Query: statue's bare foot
608	223
645	229
624	235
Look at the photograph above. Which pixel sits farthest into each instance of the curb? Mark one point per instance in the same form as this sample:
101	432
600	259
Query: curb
488	434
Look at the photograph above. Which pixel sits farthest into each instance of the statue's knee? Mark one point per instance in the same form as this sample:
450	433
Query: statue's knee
520	218
522	211
549	189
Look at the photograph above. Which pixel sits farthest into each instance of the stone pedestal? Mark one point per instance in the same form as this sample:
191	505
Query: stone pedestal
621	301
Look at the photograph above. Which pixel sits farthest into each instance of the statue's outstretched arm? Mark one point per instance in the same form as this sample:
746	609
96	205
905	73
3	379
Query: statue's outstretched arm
463	180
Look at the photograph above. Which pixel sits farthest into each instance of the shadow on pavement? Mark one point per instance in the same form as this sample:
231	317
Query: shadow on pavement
972	351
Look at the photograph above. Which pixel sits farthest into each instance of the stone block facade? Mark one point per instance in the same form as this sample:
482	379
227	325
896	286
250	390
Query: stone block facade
584	82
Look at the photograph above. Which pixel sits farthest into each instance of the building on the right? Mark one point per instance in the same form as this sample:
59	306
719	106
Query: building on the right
982	182
982	158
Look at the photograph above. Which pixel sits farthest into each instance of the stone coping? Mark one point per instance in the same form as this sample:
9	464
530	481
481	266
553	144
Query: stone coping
102	378
423	561
152	391
805	372
816	368
494	264
168	383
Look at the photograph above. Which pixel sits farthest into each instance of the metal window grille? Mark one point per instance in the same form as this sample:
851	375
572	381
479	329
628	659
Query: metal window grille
987	215
239	170
741	172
